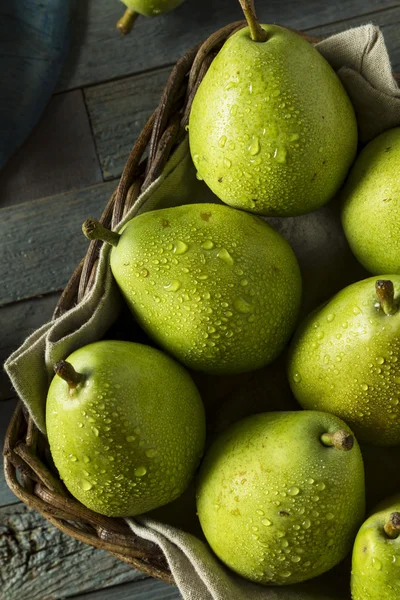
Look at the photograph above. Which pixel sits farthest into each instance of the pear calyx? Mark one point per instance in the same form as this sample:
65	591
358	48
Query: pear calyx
257	33
385	292
127	21
67	372
341	440
392	527
94	230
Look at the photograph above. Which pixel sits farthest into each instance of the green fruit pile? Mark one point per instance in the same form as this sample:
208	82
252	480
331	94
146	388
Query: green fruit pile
280	495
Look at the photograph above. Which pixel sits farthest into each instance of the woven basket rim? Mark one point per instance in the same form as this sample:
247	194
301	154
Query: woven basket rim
28	467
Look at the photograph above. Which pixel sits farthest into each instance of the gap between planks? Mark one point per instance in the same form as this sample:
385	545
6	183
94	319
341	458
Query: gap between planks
59	155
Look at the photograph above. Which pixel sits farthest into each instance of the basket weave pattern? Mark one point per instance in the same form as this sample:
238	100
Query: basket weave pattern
29	470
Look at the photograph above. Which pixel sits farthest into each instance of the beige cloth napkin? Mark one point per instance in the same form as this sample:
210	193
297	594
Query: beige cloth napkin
360	58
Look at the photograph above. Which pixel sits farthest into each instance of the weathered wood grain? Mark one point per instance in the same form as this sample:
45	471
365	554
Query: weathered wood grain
39	562
18	322
99	53
58	156
6	411
118	112
147	589
42	241
388	20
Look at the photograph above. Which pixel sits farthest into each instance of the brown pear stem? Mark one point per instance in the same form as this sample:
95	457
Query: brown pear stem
257	33
341	440
392	527
94	230
67	372
127	21
385	292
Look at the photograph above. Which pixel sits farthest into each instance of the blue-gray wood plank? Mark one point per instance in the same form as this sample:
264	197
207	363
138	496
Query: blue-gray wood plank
58	156
42	239
99	54
149	589
33	45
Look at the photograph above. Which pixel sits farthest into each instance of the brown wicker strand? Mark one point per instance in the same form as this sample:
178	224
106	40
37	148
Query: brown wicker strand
156	568
163	151
168	97
16	430
67	298
79	513
93	539
192	91
132	195
43	473
130	168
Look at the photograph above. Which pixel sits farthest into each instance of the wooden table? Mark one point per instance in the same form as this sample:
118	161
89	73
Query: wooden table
64	173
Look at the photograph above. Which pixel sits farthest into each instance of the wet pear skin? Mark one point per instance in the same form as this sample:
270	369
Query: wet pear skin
216	287
371	204
130	438
275	504
345	359
271	129
376	557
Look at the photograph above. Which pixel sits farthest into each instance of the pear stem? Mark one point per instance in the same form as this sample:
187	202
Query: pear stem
392	527
127	21
385	292
67	372
341	440
257	33
94	230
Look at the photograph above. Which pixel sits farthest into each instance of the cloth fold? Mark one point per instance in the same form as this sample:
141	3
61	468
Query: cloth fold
200	576
360	58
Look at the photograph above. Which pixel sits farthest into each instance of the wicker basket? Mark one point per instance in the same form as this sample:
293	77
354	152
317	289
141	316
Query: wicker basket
26	450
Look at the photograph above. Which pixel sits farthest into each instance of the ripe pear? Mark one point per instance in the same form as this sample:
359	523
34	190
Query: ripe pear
371	205
126	427
147	8
272	130
345	359
217	288
376	555
281	495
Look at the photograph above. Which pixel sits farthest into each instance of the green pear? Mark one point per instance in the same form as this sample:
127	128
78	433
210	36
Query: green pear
376	555
126	427
371	205
272	130
345	359
147	8
280	496
217	288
